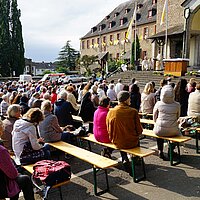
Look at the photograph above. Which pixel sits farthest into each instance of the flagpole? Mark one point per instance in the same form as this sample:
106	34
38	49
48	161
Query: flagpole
166	31
135	32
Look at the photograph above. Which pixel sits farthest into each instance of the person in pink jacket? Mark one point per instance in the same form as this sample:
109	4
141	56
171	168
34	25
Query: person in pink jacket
99	124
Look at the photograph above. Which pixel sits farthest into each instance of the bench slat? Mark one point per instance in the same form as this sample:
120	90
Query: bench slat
137	151
178	138
85	155
147	121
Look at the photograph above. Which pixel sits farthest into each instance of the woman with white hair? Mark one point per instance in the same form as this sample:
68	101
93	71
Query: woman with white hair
94	97
13	114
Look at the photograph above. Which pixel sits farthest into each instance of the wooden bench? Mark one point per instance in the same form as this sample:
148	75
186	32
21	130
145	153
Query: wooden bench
138	152
46	190
176	139
147	121
98	162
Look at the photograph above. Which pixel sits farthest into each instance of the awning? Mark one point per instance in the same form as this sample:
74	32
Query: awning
170	32
102	55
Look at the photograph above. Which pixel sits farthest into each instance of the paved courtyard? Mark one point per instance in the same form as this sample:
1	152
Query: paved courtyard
163	181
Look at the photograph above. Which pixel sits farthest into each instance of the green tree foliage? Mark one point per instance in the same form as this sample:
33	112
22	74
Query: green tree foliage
11	41
85	61
138	51
114	64
67	57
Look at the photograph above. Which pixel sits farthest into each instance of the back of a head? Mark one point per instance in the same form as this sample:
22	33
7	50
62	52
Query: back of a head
34	115
63	95
148	88
163	82
104	102
119	80
167	94
198	86
122	96
13	110
46	105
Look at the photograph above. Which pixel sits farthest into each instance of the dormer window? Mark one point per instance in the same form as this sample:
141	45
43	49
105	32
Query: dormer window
93	29
116	14
139	6
101	27
111	24
107	17
123	21
154	2
127	10
149	13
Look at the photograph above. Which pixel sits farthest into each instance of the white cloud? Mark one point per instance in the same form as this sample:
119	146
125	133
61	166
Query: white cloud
48	24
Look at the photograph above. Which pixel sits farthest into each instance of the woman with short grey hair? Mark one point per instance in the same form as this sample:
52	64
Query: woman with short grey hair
13	114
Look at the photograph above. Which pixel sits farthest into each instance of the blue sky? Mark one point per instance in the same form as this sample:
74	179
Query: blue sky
48	24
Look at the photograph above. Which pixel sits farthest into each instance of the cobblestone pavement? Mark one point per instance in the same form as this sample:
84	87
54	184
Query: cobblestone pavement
163	181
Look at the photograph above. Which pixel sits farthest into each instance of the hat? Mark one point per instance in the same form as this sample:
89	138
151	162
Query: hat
123	96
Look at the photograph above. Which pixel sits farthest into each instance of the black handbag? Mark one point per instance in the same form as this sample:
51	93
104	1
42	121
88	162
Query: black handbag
30	156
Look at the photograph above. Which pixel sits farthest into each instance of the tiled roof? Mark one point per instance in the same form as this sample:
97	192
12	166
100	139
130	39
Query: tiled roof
120	13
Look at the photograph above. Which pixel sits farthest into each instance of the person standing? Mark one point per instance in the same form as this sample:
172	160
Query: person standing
119	86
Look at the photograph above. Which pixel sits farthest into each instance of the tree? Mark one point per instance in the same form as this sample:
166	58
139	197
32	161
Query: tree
138	51
18	61
67	57
5	43
86	61
11	40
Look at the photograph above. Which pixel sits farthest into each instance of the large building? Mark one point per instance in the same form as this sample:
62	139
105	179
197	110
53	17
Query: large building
107	38
109	34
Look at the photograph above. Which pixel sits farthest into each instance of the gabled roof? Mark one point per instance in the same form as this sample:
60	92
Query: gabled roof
120	13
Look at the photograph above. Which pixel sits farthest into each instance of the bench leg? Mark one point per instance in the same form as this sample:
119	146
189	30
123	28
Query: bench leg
60	191
46	192
95	170
197	141
171	156
133	163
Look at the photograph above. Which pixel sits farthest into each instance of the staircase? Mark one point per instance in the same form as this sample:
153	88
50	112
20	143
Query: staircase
144	77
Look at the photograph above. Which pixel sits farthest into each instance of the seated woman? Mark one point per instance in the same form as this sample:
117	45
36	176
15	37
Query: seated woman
165	114
99	125
11	182
49	127
26	130
13	113
87	108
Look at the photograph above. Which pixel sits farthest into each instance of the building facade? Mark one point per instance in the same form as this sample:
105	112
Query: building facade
109	36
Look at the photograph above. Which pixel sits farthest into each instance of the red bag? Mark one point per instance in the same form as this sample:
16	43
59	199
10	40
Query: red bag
51	172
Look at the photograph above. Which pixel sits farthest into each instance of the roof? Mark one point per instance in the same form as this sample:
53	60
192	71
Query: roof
102	55
119	13
171	31
44	65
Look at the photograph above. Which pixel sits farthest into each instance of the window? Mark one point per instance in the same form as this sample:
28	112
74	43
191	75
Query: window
117	55
145	33
92	41
110	56
149	13
155	29
118	36
154	2
111	38
98	40
104	38
127	10
125	34
83	45
88	44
